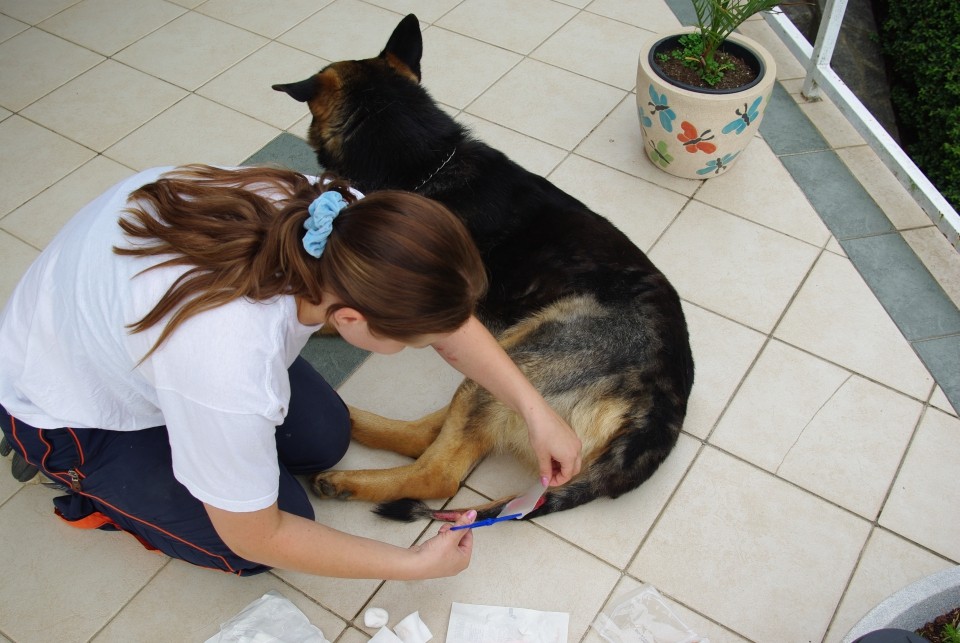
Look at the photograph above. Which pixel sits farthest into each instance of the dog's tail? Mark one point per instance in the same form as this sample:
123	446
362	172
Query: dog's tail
575	492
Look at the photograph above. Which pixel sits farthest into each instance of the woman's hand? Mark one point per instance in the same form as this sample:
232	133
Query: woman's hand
448	553
555	444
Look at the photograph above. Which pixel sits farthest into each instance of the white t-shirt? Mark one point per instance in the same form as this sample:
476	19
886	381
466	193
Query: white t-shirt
219	383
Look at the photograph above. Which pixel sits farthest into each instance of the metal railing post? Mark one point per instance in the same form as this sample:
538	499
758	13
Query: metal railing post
826	42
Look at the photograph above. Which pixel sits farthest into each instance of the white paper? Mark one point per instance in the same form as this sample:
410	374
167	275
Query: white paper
272	618
412	629
489	624
384	635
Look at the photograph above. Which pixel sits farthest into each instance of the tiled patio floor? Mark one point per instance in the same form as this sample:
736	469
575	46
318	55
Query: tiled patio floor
817	472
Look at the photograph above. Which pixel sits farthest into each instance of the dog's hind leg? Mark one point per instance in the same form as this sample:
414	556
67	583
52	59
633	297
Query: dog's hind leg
464	440
409	438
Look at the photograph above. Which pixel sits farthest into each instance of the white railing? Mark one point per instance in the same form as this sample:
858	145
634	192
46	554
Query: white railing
820	77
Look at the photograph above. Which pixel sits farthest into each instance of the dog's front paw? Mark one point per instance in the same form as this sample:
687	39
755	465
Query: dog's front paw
328	485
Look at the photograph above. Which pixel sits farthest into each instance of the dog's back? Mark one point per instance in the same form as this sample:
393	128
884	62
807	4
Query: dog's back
591	321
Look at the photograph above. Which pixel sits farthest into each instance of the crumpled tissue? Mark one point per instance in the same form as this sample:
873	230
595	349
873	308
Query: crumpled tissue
272	618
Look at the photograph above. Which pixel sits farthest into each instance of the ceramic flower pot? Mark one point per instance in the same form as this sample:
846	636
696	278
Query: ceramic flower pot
699	133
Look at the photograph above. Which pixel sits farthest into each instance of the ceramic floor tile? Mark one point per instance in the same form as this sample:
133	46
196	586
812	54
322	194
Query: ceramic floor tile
834	246
189	4
104	104
344	30
34	11
34	158
940	259
845	207
861	336
34	63
612	529
914	300
10	27
246	87
195	130
48	559
425	10
884	187
268	19
639	209
939	400
405	386
786	129
190	50
617	142
783	392
478	66
745	191
517	26
201	601
8	484
289	151
40	218
942	357
702	626
301	128
731	266
784	556
353	635
831	123
535	156
526	556
888	564
723	350
924	504
588	526
548	103
651	16
17	257
835	434
107	26
611	59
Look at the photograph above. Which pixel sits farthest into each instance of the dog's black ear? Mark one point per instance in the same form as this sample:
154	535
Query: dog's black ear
302	91
406	44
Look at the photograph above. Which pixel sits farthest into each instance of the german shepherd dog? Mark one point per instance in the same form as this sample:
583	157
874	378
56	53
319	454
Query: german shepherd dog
592	323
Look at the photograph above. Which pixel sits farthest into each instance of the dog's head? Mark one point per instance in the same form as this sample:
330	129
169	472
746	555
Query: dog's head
367	111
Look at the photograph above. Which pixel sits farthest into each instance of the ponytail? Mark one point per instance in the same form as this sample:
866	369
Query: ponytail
405	262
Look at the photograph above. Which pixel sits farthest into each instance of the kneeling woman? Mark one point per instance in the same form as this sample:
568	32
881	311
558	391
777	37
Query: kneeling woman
153	367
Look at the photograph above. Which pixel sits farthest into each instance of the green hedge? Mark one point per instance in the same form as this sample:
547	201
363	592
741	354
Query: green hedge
921	41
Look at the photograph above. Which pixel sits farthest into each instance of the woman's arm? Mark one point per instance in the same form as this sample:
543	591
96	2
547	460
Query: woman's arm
286	541
473	351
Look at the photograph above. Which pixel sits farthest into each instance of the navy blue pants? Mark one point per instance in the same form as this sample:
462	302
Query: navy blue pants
124	479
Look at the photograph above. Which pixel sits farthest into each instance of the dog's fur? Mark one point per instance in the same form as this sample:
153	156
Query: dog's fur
588	318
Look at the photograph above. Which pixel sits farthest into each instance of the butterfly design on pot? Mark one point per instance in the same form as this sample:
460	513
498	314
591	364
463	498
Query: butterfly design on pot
694	142
718	164
744	118
662	107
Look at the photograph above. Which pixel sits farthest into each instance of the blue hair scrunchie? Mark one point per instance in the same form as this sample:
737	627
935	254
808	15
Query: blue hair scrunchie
319	224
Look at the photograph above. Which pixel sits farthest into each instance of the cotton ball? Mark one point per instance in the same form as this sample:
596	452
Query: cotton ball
375	617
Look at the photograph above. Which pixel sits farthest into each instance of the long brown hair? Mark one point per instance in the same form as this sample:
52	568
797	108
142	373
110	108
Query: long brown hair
403	261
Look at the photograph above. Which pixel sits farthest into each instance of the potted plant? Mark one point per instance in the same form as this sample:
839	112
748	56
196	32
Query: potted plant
702	91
